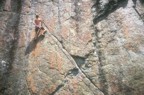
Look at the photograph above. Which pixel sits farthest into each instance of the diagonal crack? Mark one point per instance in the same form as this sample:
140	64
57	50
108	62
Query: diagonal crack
134	7
70	58
60	46
57	89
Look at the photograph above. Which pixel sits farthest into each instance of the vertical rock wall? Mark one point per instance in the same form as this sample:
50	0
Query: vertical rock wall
119	41
92	47
8	39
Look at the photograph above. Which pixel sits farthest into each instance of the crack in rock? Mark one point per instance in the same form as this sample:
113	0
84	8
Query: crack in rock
57	89
102	76
70	57
79	60
72	72
138	13
103	8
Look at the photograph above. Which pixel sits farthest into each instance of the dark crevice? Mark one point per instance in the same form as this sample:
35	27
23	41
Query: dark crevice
102	77
90	80
57	89
16	33
142	1
141	16
103	12
1	5
134	1
16	30
12	27
72	72
79	60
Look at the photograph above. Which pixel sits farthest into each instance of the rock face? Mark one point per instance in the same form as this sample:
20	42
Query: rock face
7	6
92	47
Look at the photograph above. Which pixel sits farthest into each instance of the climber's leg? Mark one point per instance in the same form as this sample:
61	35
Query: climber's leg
36	32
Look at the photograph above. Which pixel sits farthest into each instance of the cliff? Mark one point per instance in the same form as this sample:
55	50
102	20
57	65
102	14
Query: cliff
92	47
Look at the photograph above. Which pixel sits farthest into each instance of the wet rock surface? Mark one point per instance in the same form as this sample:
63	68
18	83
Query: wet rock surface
92	47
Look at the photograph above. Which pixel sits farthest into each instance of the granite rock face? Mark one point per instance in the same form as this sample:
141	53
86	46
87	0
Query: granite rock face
92	47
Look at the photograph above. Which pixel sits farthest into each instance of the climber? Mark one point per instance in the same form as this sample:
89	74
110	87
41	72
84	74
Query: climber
42	31
38	24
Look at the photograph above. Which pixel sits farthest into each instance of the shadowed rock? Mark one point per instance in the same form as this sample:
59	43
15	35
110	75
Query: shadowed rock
32	45
104	8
